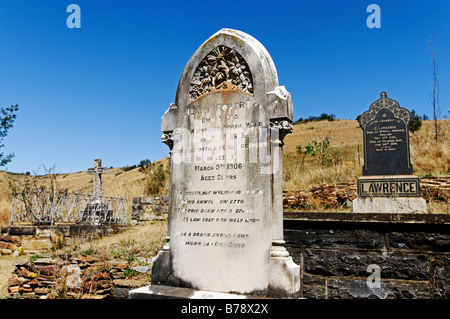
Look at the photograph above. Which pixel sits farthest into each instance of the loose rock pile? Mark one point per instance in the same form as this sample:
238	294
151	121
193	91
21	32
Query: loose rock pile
320	196
8	244
341	195
435	188
75	277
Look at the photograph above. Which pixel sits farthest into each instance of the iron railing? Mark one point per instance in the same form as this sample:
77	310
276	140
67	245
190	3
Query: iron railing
41	206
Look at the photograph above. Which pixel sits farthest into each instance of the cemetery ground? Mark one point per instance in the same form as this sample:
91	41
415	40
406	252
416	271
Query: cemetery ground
134	247
339	163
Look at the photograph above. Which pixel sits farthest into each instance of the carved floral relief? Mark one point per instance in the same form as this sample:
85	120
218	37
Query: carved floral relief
222	69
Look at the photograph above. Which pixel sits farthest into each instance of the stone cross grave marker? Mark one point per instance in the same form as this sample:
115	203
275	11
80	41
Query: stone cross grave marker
97	172
388	183
225	132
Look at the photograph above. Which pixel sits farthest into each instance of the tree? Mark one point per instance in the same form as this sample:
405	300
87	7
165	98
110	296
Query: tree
322	117
156	179
416	122
145	166
7	117
435	92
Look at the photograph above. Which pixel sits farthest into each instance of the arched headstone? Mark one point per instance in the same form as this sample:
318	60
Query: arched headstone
388	184
225	132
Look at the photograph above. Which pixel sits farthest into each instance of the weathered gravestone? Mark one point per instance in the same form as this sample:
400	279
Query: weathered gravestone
225	132
388	183
96	211
97	172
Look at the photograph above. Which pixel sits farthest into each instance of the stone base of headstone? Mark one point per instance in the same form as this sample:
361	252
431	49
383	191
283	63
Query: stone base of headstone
284	278
389	194
96	213
390	205
168	292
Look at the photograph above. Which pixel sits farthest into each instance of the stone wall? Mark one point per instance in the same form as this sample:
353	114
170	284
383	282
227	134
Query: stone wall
67	276
149	208
33	238
363	255
341	195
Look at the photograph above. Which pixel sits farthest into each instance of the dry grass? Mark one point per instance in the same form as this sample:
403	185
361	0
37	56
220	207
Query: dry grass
5	211
6	268
345	135
143	240
428	157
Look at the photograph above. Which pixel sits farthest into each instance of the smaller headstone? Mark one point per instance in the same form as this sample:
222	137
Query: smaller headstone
96	210
388	184
97	172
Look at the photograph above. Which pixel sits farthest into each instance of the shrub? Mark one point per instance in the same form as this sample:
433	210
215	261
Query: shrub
327	155
416	122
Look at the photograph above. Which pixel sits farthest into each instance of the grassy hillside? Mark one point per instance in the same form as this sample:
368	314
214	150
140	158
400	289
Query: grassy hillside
120	181
428	157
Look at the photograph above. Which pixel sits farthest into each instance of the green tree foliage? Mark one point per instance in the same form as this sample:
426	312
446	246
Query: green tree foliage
322	117
416	122
157	179
155	175
7	117
144	166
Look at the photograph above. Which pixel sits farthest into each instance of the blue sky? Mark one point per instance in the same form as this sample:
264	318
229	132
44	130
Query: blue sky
99	91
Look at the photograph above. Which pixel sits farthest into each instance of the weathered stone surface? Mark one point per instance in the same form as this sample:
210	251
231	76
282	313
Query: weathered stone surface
22	230
120	292
9	246
13	290
358	238
141	269
225	132
44	261
47	270
386	138
423	241
12	239
129	283
13	280
118	264
393	205
168	292
36	244
310	280
351	288
385	186
412	254
441	287
370	219
313	292
358	289
393	265
149	208
41	291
